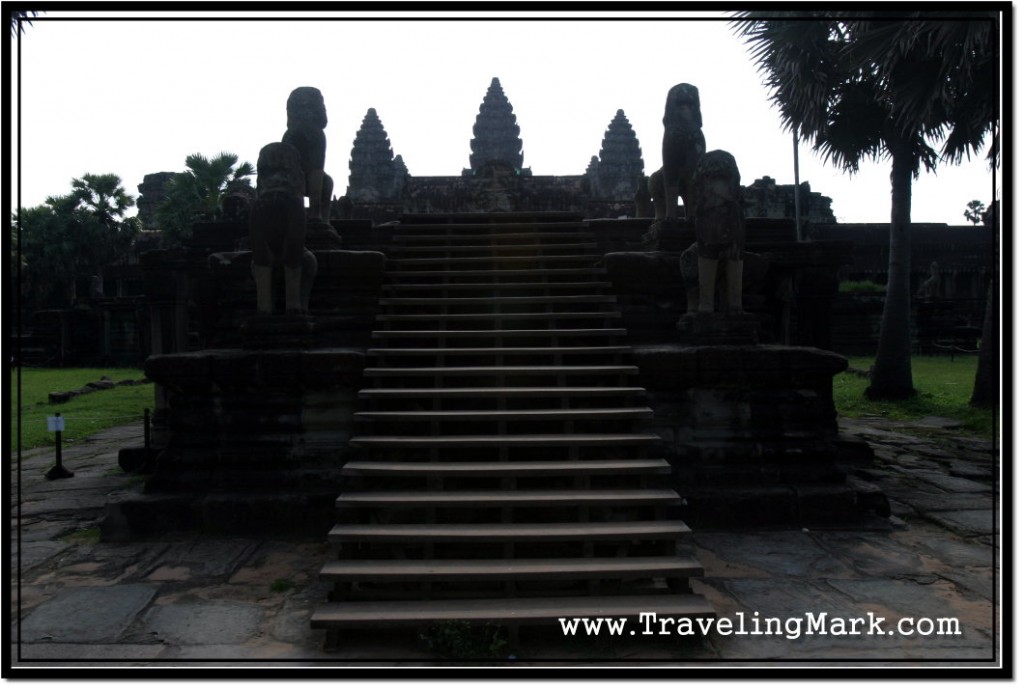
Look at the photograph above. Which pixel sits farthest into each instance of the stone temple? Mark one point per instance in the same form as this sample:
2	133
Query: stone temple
380	188
488	403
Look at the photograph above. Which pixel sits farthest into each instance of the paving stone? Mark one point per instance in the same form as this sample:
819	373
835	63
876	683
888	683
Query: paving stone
789	599
786	553
896	599
207	623
906	460
207	558
872	555
924	501
35	553
953	484
130	654
224	608
936	422
254	652
982	472
87	614
968	523
978	581
951	551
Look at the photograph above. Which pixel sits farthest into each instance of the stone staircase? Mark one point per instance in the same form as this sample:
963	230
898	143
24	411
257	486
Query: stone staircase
504	480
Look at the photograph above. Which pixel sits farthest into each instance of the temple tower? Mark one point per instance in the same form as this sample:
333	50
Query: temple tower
495	134
614	173
376	174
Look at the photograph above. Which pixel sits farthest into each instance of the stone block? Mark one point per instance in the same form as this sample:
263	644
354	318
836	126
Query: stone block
351	265
740	506
204	624
280	370
332	368
181	372
826	504
87	615
716	328
236	371
646	273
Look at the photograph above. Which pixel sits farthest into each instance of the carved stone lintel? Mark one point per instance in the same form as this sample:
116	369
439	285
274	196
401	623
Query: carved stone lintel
717	328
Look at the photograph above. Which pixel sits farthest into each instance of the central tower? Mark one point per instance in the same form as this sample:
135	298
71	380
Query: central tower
495	134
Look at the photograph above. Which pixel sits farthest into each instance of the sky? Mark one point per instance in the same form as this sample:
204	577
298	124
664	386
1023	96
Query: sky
133	94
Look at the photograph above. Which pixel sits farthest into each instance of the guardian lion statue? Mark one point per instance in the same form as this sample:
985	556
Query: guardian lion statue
720	227
307	118
681	147
277	229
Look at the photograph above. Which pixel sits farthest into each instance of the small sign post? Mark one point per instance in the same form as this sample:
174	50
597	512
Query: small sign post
55	423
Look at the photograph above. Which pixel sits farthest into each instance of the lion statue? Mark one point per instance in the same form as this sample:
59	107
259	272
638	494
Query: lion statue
307	118
681	147
720	227
277	229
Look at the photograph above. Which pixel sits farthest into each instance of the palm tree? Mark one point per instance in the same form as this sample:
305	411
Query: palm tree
74	234
18	19
102	195
868	86
974	211
195	195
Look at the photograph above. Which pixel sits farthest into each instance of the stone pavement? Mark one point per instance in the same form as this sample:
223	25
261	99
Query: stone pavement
201	600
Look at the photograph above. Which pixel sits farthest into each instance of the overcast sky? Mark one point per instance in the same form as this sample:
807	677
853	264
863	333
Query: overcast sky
137	96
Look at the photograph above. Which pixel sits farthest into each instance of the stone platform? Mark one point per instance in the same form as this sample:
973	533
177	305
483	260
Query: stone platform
751	433
190	599
253	440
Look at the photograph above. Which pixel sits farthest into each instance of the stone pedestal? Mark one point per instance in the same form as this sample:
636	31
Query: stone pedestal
669	235
249	432
751	433
321	236
278	331
717	328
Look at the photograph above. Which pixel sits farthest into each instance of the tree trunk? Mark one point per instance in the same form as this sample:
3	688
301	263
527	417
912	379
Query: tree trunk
891	377
983	395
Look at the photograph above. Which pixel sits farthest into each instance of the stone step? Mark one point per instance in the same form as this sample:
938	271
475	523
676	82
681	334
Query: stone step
509	498
419	533
452	441
492	248
476	237
594	271
500	392
516	259
496	333
494	287
429	570
507	300
631	466
520	610
498	316
492	226
497	352
557	370
535	414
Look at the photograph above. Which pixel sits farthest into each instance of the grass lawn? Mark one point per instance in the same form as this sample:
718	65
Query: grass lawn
944	388
84	415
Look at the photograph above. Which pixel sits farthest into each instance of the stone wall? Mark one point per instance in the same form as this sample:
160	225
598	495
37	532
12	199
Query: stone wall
751	434
254	441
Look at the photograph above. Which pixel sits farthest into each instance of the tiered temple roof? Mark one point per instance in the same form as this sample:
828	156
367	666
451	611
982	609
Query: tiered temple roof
620	163
376	174
495	134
